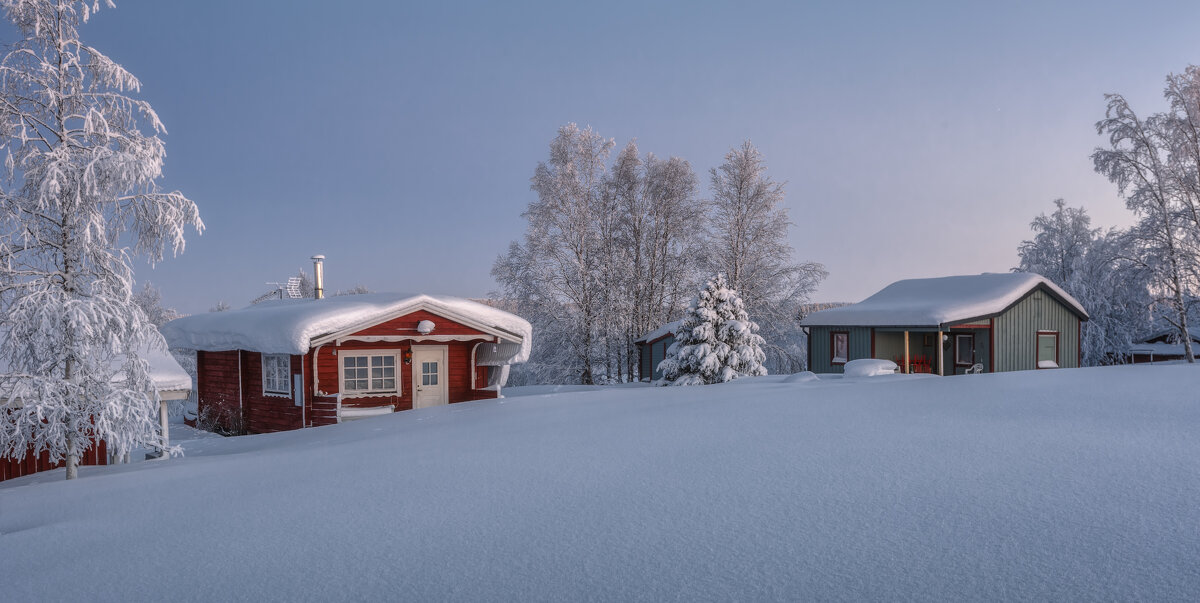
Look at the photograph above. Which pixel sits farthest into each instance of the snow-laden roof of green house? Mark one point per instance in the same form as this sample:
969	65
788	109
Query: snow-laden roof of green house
936	302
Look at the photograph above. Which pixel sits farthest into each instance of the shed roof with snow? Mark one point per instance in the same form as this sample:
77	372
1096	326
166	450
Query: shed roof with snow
941	302
169	379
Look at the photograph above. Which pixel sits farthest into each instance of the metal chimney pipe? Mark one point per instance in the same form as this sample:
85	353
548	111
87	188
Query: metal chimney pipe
318	276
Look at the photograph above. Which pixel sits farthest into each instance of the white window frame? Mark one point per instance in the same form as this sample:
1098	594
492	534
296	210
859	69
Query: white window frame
369	393
287	379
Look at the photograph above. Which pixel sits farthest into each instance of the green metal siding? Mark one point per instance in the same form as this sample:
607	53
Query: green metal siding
1016	333
860	347
659	352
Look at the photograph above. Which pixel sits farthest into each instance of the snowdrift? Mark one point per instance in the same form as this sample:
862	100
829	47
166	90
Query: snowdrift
1044	485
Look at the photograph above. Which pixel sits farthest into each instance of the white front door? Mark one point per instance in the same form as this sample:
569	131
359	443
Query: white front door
429	376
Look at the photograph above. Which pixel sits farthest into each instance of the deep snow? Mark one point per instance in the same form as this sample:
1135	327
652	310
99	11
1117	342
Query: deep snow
1069	484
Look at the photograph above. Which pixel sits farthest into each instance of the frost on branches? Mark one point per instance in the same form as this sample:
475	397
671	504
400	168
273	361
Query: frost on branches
78	201
717	341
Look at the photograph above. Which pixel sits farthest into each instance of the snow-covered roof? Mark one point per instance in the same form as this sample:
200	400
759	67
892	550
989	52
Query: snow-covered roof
165	372
667	329
291	326
933	302
1172	335
1162	350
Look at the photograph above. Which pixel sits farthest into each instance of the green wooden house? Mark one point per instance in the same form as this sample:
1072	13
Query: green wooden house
953	325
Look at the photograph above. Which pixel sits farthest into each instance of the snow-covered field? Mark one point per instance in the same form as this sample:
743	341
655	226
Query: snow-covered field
1051	485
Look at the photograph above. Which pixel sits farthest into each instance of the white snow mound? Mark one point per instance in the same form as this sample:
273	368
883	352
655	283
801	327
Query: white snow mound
870	367
801	377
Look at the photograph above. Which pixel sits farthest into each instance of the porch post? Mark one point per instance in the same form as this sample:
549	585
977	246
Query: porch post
906	365
941	363
166	429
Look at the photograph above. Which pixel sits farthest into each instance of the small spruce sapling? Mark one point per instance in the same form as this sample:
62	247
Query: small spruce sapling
717	341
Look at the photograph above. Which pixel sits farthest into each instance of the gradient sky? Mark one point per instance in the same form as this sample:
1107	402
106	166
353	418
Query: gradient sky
398	139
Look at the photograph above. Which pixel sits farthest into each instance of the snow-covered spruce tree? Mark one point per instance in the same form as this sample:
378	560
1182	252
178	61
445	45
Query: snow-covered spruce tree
717	341
78	202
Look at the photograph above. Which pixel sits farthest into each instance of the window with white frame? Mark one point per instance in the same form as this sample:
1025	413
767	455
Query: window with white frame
277	374
365	373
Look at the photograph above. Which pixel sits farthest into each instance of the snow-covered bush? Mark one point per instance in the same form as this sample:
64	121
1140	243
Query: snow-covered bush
717	341
870	367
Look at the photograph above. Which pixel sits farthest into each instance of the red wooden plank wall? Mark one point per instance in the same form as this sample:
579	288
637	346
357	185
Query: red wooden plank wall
264	413
96	454
218	386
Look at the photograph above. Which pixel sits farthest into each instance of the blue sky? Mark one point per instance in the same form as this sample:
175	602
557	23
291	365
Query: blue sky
916	139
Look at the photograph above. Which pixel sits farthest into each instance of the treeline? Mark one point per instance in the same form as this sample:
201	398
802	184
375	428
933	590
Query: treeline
615	249
1145	279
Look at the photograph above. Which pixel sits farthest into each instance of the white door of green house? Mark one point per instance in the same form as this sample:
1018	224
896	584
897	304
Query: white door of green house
429	376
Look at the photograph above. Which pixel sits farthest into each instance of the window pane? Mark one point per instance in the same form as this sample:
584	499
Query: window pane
965	348
424	379
389	384
376	372
433	379
1047	348
841	347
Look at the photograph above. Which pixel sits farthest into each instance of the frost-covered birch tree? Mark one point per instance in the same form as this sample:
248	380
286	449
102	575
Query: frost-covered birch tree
661	238
1144	160
149	300
1099	269
556	270
609	254
749	244
78	202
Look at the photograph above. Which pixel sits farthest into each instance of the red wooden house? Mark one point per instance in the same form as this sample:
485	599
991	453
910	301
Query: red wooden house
289	364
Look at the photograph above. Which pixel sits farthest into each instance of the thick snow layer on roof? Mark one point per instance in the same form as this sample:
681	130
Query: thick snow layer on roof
165	372
882	488
290	326
930	302
666	329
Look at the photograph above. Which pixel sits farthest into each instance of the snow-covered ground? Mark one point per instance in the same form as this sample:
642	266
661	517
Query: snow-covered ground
1051	485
